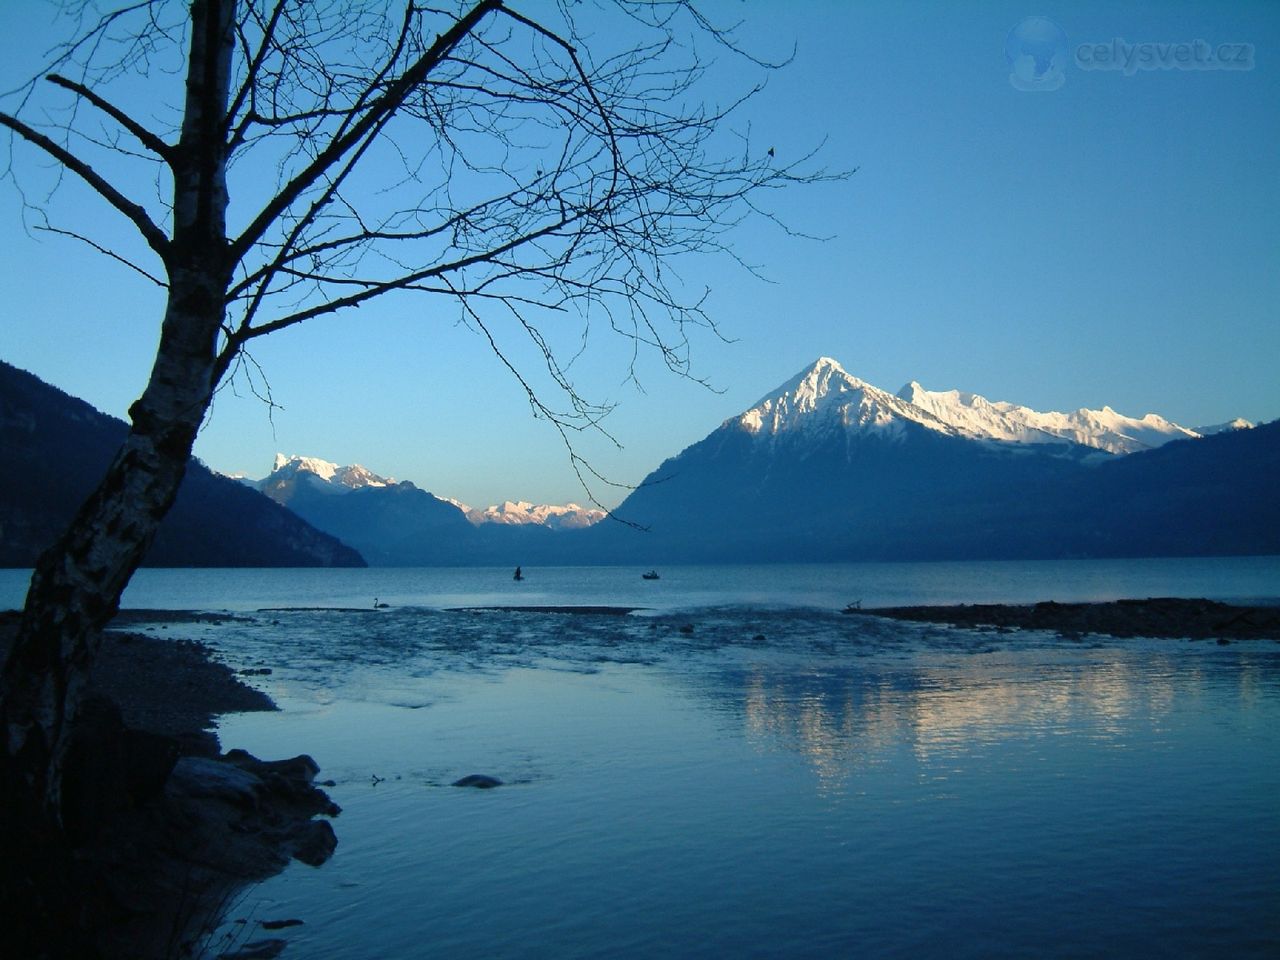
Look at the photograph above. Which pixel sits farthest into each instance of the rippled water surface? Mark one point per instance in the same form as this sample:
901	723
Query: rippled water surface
751	778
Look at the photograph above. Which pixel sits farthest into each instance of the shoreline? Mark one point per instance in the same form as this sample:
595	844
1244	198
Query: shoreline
1153	617
168	686
163	829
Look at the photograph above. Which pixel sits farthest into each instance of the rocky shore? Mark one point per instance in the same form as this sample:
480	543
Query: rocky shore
1152	617
162	829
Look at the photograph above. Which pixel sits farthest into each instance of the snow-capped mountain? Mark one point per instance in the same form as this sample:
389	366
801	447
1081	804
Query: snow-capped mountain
1105	429
830	467
568	516
390	523
337	479
326	477
823	398
1239	423
396	523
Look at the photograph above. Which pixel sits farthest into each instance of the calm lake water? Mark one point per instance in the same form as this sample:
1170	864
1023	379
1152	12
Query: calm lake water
778	781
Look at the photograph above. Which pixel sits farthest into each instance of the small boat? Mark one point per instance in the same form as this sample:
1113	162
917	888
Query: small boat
651	575
855	607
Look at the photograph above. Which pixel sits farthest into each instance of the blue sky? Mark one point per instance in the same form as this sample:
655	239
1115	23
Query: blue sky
1114	241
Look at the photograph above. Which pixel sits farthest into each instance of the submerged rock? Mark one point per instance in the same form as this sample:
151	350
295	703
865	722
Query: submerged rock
480	781
258	950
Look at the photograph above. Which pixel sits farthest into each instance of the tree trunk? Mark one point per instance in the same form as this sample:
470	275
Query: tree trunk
78	582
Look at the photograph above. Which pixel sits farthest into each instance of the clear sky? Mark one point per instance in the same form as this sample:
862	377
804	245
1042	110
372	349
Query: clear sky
1115	240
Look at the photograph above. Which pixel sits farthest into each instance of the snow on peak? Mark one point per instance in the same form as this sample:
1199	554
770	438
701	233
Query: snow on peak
521	512
1105	429
330	478
321	468
824	397
1239	423
351	477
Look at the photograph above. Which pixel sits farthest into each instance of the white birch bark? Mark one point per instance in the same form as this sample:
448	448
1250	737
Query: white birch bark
77	584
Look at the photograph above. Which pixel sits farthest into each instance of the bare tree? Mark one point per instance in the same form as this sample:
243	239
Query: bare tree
477	156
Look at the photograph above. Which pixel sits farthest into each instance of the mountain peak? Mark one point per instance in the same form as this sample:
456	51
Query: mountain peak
824	397
340	478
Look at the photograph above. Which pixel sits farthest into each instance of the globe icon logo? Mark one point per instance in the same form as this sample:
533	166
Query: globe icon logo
1037	53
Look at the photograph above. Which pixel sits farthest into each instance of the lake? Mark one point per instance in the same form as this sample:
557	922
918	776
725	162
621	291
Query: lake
738	770
828	586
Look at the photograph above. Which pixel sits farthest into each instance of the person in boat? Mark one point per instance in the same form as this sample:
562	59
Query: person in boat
518	575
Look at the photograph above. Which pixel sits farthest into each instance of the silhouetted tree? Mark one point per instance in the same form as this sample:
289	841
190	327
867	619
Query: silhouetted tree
482	156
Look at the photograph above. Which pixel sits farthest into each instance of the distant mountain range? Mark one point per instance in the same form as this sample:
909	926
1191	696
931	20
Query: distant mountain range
568	516
56	448
331	478
397	524
826	467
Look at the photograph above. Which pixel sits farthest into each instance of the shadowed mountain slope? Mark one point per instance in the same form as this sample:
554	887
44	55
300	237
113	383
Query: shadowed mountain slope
56	448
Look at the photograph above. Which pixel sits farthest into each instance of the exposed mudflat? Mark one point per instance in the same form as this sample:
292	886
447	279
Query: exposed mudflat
1153	617
173	687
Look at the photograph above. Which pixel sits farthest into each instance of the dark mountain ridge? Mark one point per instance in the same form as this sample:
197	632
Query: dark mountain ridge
56	448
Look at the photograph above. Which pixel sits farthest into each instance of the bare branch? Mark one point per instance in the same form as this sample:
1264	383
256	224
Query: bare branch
151	233
251	73
143	135
387	104
47	228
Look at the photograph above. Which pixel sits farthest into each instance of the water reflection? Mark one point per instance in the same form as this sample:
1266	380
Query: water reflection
777	783
844	693
844	720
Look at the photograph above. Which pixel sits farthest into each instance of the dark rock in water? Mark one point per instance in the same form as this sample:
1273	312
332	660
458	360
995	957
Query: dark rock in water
292	780
480	781
258	950
280	924
203	779
758	638
687	628
314	842
219	824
